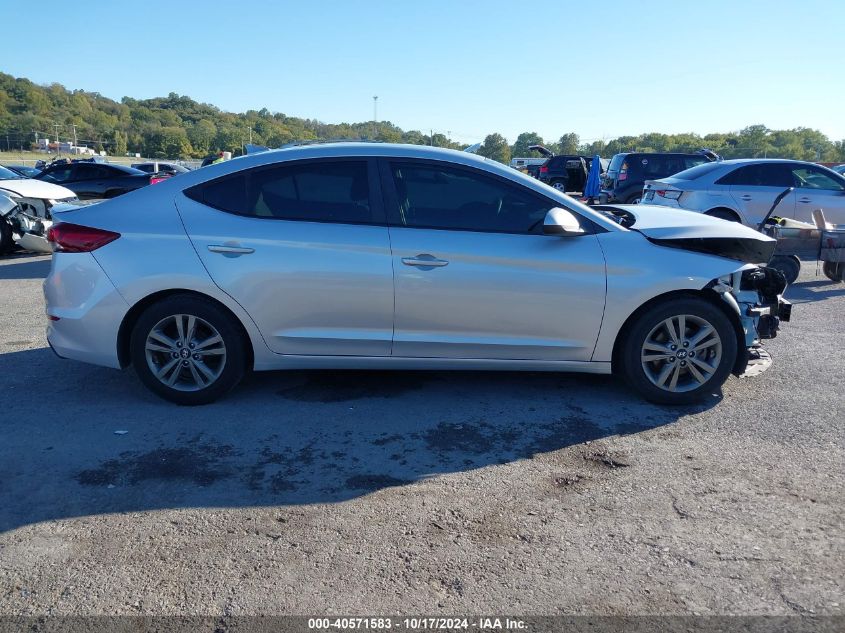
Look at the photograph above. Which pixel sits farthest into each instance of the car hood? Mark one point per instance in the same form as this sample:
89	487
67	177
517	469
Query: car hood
29	188
687	230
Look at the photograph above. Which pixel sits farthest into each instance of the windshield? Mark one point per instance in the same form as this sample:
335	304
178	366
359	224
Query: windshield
696	172
8	174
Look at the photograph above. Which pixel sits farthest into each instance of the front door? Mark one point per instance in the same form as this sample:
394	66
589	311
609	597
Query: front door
816	188
475	276
303	247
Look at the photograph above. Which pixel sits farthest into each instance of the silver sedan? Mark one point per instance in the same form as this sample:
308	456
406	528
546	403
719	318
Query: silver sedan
400	257
744	190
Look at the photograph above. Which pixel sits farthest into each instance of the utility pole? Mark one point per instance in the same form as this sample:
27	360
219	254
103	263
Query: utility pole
58	142
250	135
431	139
73	125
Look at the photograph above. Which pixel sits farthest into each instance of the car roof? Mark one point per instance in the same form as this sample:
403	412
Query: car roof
661	154
361	150
755	161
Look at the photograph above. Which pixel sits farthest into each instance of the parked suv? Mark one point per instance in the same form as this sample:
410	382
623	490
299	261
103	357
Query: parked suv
623	183
567	172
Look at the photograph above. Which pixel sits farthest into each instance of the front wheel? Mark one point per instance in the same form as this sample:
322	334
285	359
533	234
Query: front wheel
188	350
7	243
835	271
560	185
679	351
789	265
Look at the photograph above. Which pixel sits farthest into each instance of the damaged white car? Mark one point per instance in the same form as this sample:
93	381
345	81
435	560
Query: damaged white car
25	211
377	256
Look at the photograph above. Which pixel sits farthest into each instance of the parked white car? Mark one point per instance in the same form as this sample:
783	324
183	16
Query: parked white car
744	190
369	256
25	210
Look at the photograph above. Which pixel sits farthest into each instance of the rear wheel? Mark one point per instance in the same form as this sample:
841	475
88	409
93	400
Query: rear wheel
679	351
835	271
723	214
634	199
188	350
560	185
790	266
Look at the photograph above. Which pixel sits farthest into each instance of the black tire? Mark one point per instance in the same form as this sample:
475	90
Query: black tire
560	185
723	214
790	266
835	271
228	366
634	199
6	241
698	314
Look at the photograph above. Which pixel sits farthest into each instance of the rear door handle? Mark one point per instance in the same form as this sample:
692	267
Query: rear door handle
746	197
424	260
805	200
230	250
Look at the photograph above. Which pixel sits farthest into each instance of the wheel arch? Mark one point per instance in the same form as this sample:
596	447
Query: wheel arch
724	209
708	295
124	333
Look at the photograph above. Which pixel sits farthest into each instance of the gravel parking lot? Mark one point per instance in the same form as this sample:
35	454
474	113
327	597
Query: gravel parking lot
421	493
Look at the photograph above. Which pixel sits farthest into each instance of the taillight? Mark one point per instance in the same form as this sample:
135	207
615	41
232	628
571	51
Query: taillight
156	179
544	170
74	238
623	172
669	194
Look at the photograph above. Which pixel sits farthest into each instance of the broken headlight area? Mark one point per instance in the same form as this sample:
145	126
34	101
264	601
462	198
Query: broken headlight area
769	285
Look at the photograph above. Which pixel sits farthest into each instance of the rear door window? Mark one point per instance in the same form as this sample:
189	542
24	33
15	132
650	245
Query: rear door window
314	191
651	167
760	175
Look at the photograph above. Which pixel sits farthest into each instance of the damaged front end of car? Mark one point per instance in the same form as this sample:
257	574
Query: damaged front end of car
753	292
28	219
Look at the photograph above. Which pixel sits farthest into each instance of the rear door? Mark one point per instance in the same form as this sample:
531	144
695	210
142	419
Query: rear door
304	248
475	276
816	188
753	189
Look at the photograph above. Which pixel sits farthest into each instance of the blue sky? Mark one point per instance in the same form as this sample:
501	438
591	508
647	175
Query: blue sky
469	67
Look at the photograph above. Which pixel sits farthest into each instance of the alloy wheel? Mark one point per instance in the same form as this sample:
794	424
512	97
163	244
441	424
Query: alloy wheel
185	352
681	353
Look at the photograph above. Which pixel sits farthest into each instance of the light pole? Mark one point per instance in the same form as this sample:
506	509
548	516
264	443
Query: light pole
375	115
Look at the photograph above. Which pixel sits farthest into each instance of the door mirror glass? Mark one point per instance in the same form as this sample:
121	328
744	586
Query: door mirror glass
559	221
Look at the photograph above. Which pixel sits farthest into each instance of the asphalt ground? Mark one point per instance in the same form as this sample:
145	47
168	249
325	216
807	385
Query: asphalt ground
421	493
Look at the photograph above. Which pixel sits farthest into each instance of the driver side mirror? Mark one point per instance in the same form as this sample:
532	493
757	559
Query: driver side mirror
561	222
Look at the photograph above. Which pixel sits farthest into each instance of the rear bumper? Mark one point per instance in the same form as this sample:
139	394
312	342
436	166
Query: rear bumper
85	310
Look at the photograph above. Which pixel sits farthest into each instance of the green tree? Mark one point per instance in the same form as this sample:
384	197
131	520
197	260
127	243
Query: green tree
201	134
119	142
520	146
568	143
495	147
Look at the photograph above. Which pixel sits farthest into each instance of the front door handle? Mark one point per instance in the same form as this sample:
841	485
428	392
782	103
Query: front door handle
805	200
230	250
424	260
746	197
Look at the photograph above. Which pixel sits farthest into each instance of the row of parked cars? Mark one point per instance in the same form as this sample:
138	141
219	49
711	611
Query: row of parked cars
27	194
741	190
